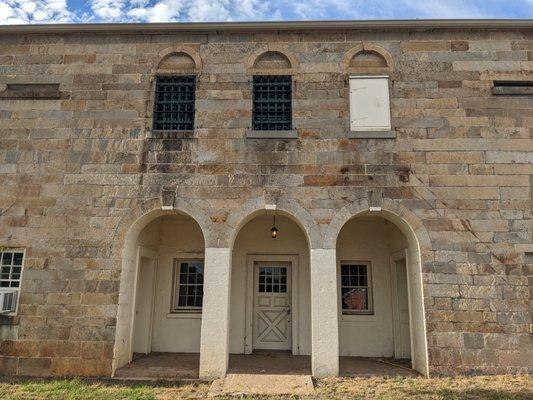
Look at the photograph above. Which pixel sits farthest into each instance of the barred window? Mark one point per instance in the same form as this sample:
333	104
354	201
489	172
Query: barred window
11	268
272	103
356	289
188	285
174	103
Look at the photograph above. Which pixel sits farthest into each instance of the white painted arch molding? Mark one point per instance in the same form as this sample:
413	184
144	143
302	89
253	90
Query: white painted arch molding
391	210
419	248
150	209
289	208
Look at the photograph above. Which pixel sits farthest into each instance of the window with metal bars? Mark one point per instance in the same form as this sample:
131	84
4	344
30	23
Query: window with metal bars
174	103
272	103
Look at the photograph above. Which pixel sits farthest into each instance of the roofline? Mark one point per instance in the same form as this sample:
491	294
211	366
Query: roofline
271	26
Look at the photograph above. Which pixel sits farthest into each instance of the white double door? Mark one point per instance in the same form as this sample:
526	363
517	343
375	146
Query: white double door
272	311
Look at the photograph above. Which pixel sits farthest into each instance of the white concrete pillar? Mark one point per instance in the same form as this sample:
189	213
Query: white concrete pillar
324	313
214	340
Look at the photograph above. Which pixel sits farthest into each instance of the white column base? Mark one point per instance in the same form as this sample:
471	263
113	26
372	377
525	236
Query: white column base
324	313
214	341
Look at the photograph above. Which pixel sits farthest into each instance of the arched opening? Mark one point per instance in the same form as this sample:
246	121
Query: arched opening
161	297
270	316
381	309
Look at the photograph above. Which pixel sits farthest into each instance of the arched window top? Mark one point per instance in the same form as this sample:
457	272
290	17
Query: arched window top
179	59
272	60
368	58
177	62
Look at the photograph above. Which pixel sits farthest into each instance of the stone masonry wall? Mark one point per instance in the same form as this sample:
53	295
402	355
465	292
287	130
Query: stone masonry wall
73	169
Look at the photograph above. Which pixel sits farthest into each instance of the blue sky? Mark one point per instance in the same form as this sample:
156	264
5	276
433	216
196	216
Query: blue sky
80	11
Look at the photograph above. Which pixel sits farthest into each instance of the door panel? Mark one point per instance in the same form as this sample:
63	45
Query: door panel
403	310
272	320
143	307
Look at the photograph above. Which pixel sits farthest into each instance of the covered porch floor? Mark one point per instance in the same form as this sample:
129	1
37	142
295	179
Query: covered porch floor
184	366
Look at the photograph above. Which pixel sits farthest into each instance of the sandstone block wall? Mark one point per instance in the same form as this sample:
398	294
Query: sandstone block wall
73	170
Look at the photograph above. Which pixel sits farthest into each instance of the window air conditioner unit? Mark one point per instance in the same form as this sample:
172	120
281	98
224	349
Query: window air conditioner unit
8	301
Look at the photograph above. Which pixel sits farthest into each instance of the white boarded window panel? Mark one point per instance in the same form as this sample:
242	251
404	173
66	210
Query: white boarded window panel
369	103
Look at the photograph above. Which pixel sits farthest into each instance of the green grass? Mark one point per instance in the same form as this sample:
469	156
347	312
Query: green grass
502	387
74	389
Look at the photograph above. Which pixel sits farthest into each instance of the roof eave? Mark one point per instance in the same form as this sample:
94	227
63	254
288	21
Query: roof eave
271	26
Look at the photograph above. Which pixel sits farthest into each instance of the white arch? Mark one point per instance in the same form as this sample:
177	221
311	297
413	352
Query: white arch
126	300
417	239
286	207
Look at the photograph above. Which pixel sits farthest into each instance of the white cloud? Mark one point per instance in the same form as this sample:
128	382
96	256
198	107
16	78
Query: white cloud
34	11
44	11
198	10
108	10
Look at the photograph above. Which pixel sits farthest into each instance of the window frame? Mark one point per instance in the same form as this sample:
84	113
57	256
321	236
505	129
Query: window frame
369	129
155	102
176	268
9	288
370	284
291	122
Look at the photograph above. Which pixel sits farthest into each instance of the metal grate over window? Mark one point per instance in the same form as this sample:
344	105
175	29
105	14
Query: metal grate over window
272	103
174	103
189	285
10	269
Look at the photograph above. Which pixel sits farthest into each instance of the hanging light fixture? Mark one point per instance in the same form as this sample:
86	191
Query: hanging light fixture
274	231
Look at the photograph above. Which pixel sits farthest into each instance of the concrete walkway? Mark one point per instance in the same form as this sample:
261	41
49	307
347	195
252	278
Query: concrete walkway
269	362
262	384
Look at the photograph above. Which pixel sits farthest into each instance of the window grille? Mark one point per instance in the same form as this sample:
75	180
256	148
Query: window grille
356	288
272	103
189	285
174	103
10	269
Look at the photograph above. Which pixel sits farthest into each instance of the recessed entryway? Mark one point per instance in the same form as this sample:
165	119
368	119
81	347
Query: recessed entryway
270	290
166	292
379	291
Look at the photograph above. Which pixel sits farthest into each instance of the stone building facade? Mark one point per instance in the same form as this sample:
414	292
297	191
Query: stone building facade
84	174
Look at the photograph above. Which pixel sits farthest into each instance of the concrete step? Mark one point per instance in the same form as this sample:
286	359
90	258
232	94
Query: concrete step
262	384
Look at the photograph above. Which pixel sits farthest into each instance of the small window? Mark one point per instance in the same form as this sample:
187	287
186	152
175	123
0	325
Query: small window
31	91
369	103
272	103
512	88
272	280
174	103
188	286
11	269
356	288
11	263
